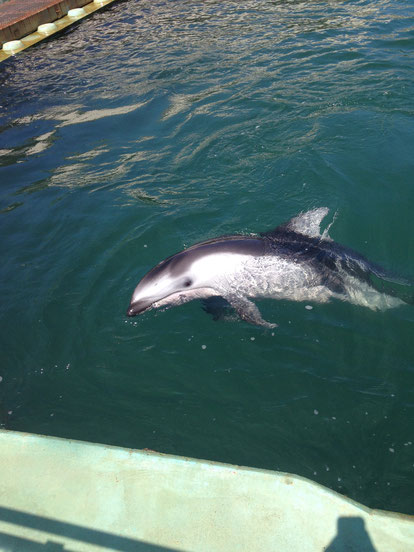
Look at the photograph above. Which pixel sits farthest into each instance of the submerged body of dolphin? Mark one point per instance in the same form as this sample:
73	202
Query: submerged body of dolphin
294	261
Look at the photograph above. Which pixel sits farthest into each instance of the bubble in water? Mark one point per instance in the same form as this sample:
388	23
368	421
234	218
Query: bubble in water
308	307
316	412
204	347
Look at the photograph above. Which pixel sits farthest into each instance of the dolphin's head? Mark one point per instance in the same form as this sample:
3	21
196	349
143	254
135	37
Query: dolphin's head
198	272
174	281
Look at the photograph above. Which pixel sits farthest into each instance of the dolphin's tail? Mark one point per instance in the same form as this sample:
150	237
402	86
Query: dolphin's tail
391	284
378	278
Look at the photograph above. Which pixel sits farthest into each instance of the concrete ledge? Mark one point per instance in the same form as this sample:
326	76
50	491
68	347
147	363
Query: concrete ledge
19	18
62	494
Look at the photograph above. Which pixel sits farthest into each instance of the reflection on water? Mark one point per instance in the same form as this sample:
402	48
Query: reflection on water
207	75
153	125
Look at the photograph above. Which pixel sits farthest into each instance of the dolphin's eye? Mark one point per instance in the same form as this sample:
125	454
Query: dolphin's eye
187	283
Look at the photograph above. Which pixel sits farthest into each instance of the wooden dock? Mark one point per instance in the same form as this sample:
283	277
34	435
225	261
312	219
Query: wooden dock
19	18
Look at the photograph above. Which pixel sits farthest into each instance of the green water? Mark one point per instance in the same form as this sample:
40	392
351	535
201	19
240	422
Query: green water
153	125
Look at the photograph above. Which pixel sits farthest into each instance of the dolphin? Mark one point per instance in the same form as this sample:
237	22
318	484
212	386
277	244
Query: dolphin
295	261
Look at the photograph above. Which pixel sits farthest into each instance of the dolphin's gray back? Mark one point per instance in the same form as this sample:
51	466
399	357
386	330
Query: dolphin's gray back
237	244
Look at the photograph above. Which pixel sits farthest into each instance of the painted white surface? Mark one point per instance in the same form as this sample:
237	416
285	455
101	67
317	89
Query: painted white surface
84	496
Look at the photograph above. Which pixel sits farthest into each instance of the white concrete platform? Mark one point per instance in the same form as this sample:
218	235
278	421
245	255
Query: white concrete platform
57	494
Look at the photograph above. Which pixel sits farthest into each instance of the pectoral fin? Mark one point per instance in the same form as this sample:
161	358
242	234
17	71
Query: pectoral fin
217	306
248	311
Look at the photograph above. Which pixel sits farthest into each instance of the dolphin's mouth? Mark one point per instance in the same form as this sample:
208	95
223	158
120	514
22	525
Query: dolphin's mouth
138	307
172	300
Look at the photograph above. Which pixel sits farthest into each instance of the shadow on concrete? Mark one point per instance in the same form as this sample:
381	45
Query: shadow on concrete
351	537
64	530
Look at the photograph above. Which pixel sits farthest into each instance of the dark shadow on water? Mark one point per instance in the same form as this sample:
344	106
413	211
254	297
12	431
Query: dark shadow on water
351	537
66	530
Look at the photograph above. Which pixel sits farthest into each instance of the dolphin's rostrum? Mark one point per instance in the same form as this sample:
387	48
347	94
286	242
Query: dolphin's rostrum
294	262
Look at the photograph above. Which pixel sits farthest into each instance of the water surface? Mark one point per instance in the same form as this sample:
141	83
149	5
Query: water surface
153	125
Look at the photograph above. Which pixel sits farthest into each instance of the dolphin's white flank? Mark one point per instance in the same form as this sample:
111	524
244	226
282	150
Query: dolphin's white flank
294	261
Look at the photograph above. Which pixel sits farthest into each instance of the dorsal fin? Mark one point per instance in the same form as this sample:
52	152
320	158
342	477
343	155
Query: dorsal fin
307	223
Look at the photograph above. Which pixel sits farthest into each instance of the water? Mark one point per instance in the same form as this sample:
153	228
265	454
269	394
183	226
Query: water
153	125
